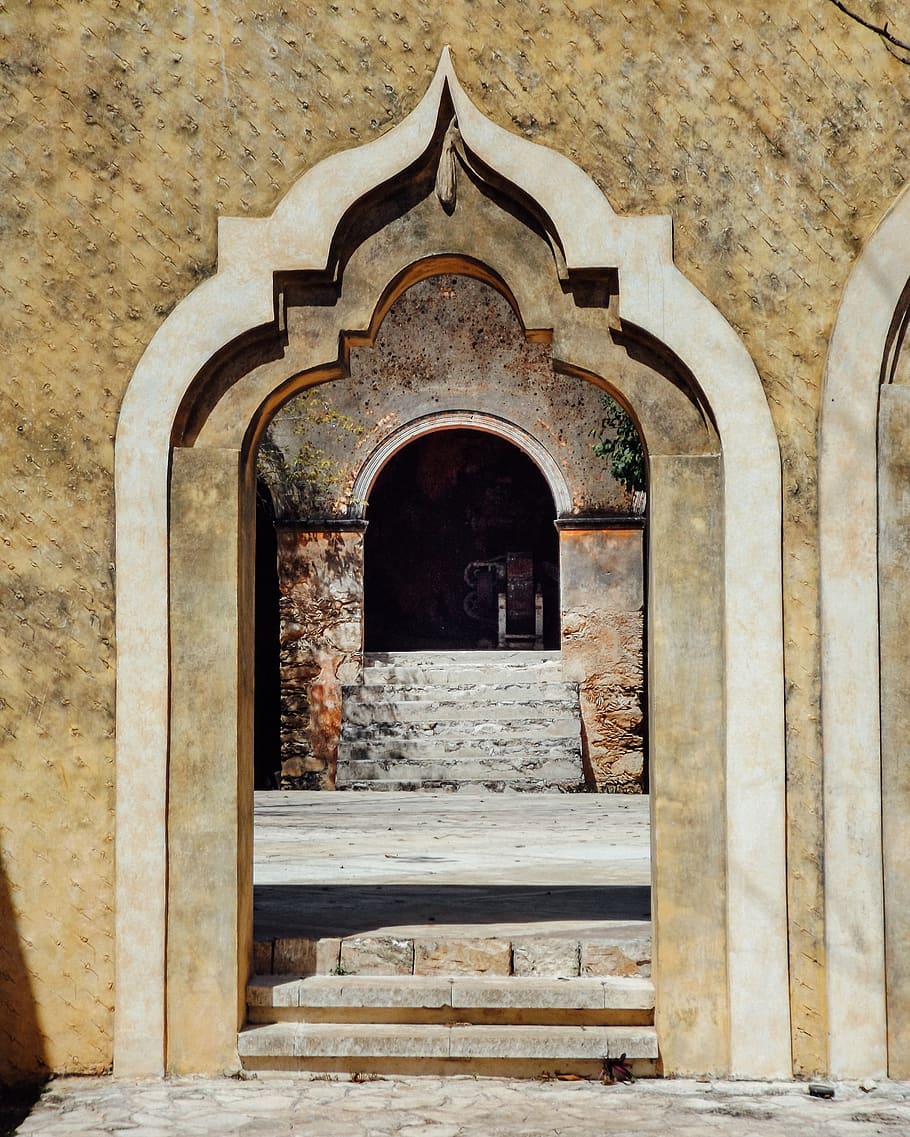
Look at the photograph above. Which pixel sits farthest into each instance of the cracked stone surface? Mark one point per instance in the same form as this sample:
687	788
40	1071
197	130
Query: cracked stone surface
342	1106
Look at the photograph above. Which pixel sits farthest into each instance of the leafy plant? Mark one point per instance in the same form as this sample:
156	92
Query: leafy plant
617	440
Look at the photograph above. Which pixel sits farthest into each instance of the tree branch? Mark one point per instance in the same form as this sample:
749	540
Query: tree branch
893	45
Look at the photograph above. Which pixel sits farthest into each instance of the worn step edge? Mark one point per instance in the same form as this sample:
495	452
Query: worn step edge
458	711
481	655
464	730
511	689
443	785
531	993
381	1040
515	754
448	677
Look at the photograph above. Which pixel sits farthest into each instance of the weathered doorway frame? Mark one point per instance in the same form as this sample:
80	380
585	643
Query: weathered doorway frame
863	480
161	490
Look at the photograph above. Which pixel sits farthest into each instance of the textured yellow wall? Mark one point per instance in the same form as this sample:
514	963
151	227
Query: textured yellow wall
775	135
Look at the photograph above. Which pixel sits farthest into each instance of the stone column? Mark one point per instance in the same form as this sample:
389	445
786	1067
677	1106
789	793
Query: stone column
894	589
210	799
320	576
688	762
601	573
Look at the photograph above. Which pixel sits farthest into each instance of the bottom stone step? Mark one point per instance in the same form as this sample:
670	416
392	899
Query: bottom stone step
382	1040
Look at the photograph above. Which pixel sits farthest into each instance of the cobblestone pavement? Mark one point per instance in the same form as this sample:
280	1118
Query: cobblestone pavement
459	1107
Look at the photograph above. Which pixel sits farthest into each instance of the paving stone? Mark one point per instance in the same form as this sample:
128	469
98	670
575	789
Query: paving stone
273	991
627	993
633	958
557	1042
539	994
462	957
473	1107
377	955
382	991
545	956
305	956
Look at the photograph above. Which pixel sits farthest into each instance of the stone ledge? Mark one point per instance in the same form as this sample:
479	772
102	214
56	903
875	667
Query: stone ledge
397	991
380	1040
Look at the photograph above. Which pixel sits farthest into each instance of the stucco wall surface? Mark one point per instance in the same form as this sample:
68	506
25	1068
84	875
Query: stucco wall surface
775	135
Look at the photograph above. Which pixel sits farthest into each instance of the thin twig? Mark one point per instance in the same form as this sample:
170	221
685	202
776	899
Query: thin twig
890	41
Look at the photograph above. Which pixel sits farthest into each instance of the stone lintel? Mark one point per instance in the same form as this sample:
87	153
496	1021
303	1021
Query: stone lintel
325	525
585	524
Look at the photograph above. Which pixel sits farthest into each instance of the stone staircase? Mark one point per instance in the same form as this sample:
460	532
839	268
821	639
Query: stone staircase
542	1006
494	720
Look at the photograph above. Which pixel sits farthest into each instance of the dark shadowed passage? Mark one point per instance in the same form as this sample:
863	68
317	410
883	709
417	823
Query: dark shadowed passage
445	512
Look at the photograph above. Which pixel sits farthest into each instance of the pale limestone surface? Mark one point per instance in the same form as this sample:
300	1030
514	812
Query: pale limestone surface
271	1106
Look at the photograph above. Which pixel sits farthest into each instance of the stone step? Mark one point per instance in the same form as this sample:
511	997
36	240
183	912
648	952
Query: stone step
446	720
512	752
418	703
456	785
286	1040
461	669
266	993
482	729
611	951
464	768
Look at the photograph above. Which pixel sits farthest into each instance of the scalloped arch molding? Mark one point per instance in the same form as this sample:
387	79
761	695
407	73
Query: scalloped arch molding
654	296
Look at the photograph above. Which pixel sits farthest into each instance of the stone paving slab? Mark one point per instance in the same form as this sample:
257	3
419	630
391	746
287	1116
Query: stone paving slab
272	1106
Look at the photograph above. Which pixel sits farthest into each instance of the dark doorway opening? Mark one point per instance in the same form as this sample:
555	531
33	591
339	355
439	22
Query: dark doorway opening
267	688
444	516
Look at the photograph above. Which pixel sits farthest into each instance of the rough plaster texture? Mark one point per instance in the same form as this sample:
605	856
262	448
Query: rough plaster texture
774	138
449	343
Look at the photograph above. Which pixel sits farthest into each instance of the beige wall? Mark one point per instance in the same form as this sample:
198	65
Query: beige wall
775	140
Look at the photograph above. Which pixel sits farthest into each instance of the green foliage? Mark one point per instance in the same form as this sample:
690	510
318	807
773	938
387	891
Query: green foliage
617	440
319	468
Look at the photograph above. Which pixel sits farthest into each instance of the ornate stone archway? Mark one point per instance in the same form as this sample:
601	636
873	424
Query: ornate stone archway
187	430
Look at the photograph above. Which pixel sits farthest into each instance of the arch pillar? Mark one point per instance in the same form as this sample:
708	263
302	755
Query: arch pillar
863	483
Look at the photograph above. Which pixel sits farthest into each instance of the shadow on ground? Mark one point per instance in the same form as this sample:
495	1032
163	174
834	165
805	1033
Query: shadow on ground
15	1106
346	910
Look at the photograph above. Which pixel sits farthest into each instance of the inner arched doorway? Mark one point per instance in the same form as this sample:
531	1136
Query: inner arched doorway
444	516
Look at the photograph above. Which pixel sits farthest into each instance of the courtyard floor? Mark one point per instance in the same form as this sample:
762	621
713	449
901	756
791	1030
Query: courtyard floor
464	864
340	864
459	1107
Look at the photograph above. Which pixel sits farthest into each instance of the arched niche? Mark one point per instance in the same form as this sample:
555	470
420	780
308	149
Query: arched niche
462	420
864	485
322	271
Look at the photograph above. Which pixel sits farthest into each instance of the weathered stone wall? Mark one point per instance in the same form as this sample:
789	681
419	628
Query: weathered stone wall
775	137
320	574
603	599
449	343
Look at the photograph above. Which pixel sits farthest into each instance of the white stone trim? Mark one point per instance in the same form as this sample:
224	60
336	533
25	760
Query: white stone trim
848	544
653	295
757	929
455	420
